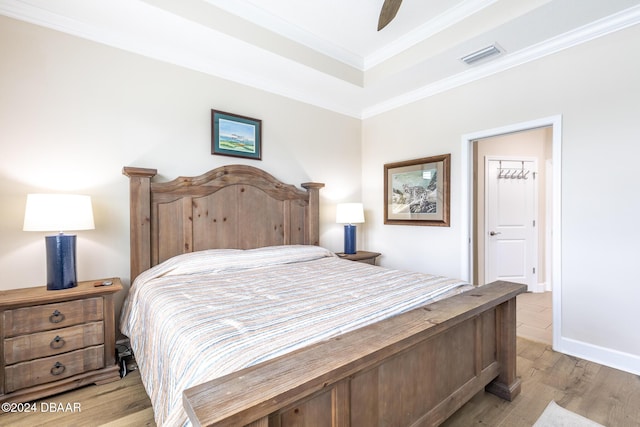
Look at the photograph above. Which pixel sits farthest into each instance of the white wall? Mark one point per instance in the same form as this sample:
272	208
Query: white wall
596	89
74	112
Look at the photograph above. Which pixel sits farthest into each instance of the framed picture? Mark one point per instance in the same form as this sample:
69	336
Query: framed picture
416	192
234	135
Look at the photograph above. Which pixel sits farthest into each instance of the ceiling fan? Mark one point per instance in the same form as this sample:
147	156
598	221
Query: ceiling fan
388	12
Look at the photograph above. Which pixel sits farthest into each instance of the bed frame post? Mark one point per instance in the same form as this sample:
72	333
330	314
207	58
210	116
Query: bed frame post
507	385
140	214
313	234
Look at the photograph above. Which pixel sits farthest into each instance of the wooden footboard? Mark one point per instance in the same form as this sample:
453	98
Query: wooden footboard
415	369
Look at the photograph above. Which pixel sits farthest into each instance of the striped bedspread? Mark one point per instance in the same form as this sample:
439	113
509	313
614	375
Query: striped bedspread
202	315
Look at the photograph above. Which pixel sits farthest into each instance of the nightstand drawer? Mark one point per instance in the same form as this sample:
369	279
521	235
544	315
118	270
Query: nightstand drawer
51	316
42	344
54	368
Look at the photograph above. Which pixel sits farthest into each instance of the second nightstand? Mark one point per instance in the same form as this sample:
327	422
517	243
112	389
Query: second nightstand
361	256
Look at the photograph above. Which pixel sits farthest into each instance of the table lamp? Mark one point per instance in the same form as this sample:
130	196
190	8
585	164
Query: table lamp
349	214
59	212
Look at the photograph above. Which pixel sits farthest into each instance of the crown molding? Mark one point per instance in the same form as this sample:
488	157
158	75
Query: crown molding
442	22
594	30
310	86
279	26
286	29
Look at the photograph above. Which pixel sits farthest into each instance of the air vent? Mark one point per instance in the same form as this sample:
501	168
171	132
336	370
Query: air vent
481	54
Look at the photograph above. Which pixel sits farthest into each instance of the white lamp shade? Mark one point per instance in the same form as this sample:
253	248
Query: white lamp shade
349	213
58	212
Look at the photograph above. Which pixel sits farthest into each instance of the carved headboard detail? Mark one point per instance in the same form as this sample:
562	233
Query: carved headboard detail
235	206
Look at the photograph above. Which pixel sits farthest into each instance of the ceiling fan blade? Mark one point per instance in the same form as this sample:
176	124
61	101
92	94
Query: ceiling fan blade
388	12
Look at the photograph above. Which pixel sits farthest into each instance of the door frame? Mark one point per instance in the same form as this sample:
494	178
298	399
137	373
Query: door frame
467	213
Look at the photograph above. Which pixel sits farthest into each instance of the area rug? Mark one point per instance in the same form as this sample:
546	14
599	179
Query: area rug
555	415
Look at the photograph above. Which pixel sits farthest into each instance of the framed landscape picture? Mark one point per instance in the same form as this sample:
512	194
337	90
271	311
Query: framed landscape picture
416	192
234	135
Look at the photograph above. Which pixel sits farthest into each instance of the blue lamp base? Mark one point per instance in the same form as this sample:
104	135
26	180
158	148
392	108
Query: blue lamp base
61	262
349	239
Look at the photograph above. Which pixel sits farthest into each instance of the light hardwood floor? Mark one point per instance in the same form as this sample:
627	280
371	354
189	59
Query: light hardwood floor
605	395
534	316
118	404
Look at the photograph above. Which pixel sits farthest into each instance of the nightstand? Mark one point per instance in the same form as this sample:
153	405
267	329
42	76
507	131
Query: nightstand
54	341
361	256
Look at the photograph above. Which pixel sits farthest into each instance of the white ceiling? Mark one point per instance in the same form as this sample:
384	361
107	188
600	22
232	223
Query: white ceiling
329	52
346	29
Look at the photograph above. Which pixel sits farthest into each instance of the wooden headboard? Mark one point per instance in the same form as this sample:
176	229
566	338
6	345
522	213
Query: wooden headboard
233	206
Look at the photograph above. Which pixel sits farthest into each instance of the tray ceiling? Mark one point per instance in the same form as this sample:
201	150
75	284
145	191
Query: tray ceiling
328	52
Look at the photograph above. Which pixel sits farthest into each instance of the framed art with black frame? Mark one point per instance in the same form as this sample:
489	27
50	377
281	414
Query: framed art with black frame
235	135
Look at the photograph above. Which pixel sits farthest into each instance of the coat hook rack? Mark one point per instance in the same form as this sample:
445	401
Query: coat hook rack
513	173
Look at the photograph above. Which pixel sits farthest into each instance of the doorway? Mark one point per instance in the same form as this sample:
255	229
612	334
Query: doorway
509	208
548	267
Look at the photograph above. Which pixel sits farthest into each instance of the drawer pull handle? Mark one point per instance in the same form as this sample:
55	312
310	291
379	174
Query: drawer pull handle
57	343
56	317
58	369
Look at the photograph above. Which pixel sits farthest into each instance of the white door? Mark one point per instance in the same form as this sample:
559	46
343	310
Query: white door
510	221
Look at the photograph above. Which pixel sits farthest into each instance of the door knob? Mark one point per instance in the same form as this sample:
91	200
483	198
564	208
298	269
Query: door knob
493	233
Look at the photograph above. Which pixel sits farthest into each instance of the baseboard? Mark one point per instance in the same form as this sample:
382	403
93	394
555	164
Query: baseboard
604	356
538	288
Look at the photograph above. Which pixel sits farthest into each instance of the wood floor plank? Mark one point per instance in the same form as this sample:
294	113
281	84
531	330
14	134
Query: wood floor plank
142	418
605	395
534	317
123	402
616	390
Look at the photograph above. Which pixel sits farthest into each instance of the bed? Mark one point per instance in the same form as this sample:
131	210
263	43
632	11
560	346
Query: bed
301	337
